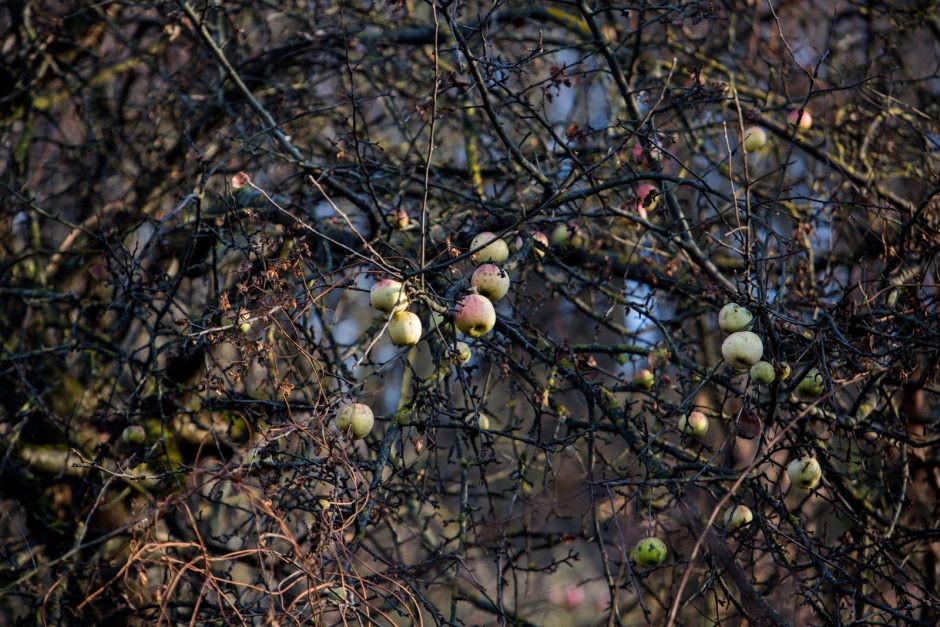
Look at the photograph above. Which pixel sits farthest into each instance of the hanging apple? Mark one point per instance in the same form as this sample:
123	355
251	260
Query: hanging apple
355	420
742	349
388	295
474	315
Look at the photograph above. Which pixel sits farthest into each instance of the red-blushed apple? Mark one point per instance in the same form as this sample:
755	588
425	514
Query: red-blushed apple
647	197
388	295
811	386
649	552
804	472
474	315
695	423
404	328
733	318
494	249
637	152
398	218
737	517
644	379
491	281
763	372
742	349
538	236
755	138
355	420
806	120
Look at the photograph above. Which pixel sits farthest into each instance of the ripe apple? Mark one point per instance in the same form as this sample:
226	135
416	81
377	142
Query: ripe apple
644	378
134	434
404	329
491	281
388	295
644	201
355	420
474	315
804	472
463	352
495	251
695	423
649	552
733	318
811	386
737	517
806	120
742	349
755	138
538	236
763	372
398	218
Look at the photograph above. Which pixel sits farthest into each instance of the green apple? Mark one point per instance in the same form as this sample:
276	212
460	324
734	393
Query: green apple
134	434
404	329
811	386
355	420
733	318
804	472
388	295
494	249
763	372
463	352
737	517
742	349
649	552
755	138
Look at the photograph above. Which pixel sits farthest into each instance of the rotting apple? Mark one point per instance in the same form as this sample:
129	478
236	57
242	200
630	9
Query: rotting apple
804	472
491	281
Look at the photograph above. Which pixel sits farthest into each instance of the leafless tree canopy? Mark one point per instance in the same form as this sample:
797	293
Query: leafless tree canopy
197	197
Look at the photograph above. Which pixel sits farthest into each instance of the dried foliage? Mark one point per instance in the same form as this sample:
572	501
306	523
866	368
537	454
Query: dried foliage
198	195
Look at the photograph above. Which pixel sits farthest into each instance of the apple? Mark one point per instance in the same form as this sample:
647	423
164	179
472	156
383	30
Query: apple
647	197
388	295
491	281
637	152
474	315
134	434
763	372
355	420
804	472
404	329
806	120
755	138
737	517
695	423
484	422
733	318
649	552
494	249
463	352
568	234
538	236
742	349
644	378
811	386
398	218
